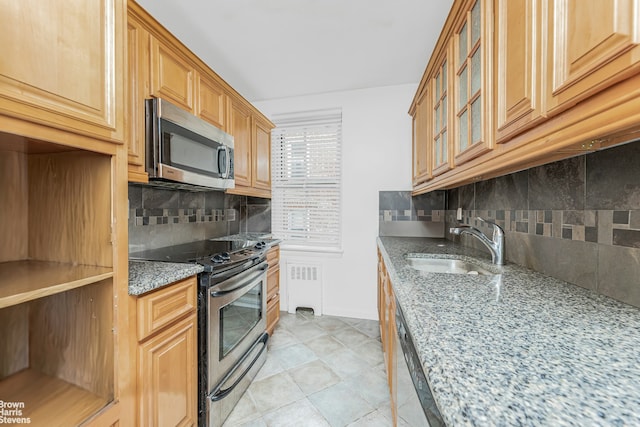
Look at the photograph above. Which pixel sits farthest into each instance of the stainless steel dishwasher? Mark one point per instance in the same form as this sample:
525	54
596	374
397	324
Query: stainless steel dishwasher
415	401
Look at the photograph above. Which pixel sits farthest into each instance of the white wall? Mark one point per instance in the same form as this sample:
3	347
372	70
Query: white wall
376	156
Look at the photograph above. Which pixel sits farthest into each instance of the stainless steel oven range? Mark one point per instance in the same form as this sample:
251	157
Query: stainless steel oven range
232	311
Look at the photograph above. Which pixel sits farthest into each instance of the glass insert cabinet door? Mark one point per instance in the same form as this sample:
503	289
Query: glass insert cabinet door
472	60
440	119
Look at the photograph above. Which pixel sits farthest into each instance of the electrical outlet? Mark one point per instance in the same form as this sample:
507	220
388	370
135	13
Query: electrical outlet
459	214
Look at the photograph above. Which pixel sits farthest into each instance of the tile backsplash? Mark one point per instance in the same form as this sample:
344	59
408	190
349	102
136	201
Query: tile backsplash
576	219
403	215
162	217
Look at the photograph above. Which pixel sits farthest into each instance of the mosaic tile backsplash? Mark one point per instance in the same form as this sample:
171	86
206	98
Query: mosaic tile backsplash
163	217
576	219
403	215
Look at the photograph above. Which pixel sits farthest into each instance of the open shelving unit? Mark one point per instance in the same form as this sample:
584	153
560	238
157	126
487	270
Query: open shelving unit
56	281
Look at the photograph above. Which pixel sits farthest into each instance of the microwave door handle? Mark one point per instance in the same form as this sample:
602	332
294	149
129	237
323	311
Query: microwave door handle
227	161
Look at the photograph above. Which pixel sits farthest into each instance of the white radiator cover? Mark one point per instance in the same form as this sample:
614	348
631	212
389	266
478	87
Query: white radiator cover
304	286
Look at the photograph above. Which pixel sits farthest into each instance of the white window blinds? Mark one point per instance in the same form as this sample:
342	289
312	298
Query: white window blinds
306	178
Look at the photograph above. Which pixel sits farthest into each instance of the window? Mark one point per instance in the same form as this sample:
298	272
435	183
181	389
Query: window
306	178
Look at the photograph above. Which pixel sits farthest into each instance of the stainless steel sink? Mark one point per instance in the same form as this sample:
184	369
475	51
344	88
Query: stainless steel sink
450	266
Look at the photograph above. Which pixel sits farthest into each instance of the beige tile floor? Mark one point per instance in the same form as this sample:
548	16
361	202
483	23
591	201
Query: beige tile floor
320	371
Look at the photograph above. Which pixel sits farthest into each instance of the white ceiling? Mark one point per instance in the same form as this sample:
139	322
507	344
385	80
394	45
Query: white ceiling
269	49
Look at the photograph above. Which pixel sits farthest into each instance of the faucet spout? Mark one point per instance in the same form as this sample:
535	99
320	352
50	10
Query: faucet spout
495	244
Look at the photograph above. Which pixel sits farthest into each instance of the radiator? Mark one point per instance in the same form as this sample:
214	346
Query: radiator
304	287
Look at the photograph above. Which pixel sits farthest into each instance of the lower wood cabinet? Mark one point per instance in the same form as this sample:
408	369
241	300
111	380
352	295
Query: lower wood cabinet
167	356
387	316
273	288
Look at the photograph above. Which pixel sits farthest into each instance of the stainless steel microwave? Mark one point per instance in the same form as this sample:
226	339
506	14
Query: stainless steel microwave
184	151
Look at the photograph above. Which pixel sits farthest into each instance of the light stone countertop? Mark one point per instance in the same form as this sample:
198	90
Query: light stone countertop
517	348
146	276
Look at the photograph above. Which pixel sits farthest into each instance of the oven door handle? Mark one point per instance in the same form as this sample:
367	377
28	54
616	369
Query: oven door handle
219	393
249	281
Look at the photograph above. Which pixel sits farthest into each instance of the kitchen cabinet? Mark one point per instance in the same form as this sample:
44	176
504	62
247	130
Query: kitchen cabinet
472	83
61	66
138	42
592	45
557	94
212	101
161	66
172	76
273	288
167	355
420	122
252	151
520	55
388	332
442	114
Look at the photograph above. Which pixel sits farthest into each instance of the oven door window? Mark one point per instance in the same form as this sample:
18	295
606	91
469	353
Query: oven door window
239	317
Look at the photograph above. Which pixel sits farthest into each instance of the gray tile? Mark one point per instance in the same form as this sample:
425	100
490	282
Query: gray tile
330	323
369	327
314	376
613	178
568	260
293	355
296	414
275	392
192	200
629	238
558	185
324	345
340	405
160	198
258	219
372	386
621	217
306	330
505	192
350	337
434	200
394	200
370	351
346	363
605	227
135	197
618	273
271	366
373	419
282	338
634	219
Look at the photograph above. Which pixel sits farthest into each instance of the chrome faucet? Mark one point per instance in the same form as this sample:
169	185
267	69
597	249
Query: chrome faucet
495	245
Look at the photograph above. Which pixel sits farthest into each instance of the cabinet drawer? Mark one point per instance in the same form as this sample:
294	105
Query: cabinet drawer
162	307
273	314
273	256
273	282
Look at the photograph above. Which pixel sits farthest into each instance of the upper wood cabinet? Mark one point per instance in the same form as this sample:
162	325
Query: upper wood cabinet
172	76
252	151
441	114
160	66
138	89
520	66
261	154
473	73
62	65
593	44
211	101
240	128
564	75
421	150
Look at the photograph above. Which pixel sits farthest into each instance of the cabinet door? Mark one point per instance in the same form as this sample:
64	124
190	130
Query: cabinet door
138	66
172	76
520	70
167	376
593	44
421	167
441	117
62	65
240	128
473	63
261	155
211	101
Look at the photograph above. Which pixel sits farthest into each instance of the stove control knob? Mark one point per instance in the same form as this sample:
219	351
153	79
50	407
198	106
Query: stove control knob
260	245
225	256
217	258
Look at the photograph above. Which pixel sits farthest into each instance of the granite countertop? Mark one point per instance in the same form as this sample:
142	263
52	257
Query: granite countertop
146	276
517	348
